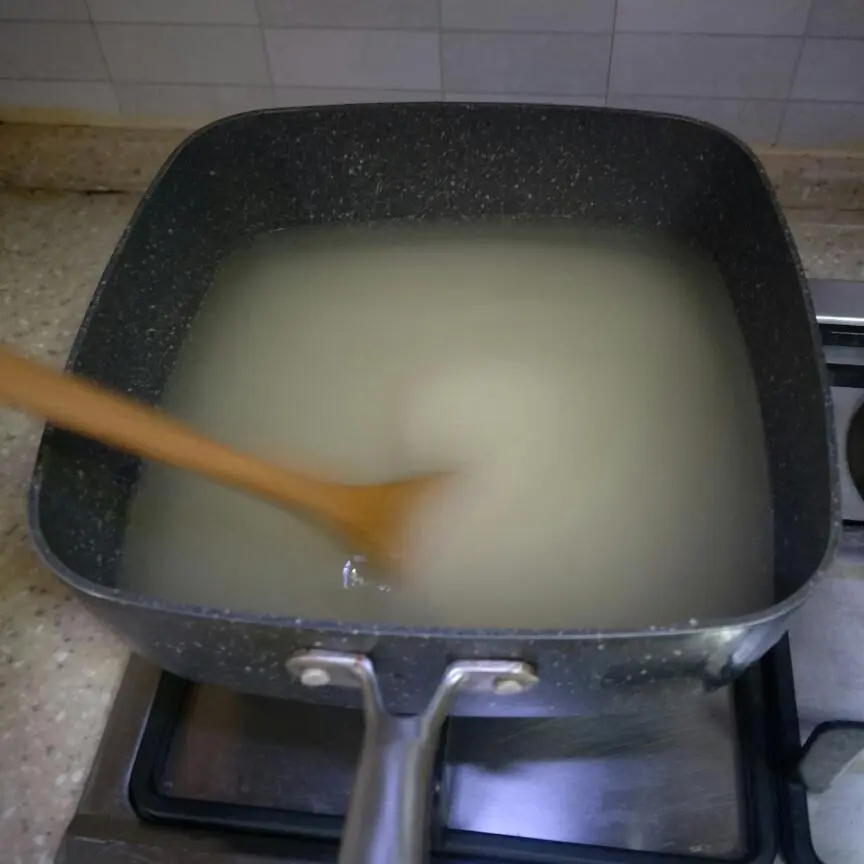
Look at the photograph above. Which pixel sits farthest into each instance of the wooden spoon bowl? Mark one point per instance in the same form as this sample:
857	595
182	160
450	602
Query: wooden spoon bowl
371	518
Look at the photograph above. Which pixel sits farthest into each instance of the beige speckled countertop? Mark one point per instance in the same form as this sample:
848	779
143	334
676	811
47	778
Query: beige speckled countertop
59	668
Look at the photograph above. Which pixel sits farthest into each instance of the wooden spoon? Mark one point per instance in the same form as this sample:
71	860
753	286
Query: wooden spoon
371	518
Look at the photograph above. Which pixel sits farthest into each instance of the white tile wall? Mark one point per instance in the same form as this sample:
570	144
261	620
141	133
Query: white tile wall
714	66
174	11
755	120
831	70
843	18
525	63
562	16
815	124
171	54
414	14
96	96
783	71
43	10
751	17
50	50
539	99
191	100
379	59
293	96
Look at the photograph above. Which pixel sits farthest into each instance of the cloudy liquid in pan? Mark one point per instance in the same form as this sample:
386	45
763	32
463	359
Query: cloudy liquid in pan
593	390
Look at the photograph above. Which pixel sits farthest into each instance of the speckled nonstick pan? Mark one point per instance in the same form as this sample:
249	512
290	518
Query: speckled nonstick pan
268	170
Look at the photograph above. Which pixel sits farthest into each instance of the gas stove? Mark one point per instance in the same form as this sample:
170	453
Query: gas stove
760	772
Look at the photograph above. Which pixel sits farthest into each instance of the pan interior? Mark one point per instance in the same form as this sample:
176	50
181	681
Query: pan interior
591	387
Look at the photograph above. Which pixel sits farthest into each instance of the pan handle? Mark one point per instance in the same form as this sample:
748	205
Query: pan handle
388	814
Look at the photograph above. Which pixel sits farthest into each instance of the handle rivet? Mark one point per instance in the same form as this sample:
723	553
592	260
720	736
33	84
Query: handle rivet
314	676
507	686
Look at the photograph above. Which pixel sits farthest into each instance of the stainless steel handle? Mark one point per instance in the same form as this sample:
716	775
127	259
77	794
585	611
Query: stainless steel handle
388	814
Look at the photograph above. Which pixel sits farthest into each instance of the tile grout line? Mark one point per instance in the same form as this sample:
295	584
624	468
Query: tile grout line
611	53
788	100
267	64
440	9
109	79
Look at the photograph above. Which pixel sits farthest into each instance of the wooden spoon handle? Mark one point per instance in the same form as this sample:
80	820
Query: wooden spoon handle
118	421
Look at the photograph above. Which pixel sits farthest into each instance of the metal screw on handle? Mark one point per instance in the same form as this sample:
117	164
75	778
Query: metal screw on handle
388	818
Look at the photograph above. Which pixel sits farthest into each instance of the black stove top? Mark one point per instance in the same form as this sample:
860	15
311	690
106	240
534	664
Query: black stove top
199	774
215	773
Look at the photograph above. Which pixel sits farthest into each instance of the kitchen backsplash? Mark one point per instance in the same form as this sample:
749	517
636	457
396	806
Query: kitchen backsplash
785	72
